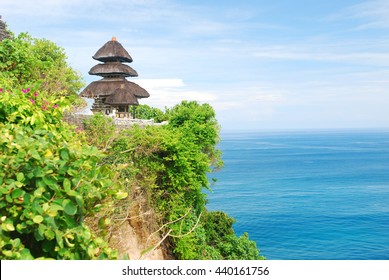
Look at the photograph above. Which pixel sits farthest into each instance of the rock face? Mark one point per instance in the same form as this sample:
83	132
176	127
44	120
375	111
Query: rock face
4	34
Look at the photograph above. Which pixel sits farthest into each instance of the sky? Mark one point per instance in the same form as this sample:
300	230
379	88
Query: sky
262	65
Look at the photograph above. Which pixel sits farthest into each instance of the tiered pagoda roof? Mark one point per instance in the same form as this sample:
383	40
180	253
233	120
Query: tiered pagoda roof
120	97
4	34
112	51
113	68
108	86
114	89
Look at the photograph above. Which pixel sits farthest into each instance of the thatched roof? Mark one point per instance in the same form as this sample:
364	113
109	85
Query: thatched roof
107	86
113	68
4	34
112	51
121	97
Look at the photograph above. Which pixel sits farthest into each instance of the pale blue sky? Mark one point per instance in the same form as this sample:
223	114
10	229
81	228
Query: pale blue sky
277	64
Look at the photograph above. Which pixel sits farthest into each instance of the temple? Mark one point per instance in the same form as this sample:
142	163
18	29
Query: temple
113	94
4	34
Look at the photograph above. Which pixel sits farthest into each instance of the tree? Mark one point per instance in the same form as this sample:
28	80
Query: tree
198	122
146	112
25	60
170	165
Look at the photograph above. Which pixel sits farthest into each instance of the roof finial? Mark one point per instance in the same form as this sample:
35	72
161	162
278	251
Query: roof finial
114	38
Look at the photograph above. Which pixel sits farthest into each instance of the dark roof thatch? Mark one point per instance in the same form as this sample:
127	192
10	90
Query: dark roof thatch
113	68
4	34
112	51
107	87
137	90
121	97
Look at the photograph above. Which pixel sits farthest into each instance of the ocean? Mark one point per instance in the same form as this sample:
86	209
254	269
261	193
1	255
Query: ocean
307	195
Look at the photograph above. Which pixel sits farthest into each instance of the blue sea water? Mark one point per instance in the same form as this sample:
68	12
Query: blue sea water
307	195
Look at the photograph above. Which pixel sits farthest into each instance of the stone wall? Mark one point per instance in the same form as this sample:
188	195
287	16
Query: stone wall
120	123
76	119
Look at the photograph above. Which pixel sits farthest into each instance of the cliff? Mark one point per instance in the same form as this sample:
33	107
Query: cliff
165	169
103	193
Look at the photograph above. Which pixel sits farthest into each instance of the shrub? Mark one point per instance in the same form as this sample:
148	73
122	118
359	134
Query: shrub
170	164
49	182
146	112
25	60
100	131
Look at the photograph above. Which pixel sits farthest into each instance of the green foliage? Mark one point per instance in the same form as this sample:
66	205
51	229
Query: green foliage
100	131
218	225
146	112
220	235
49	182
25	60
170	164
174	164
198	123
172	168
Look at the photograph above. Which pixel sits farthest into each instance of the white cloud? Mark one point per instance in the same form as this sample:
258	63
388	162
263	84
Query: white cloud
59	9
314	52
165	84
268	97
375	13
246	66
372	13
169	92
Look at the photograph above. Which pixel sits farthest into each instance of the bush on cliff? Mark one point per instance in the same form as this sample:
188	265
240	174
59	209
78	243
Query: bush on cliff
170	165
25	60
49	181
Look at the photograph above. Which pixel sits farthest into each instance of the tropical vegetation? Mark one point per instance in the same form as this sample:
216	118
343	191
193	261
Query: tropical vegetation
61	188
